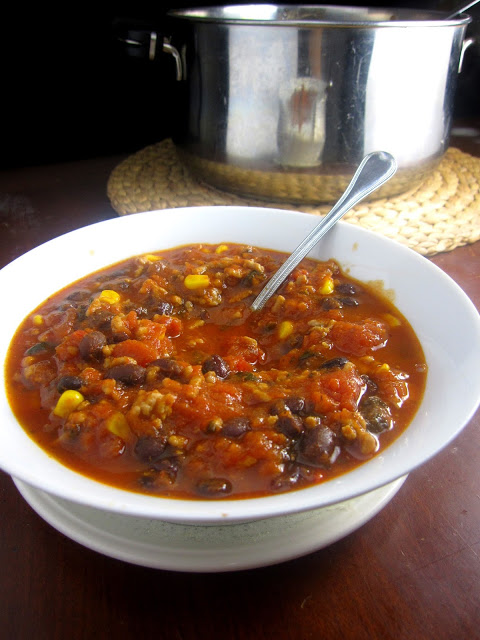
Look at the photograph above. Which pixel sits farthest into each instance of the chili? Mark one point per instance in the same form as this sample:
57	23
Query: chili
155	376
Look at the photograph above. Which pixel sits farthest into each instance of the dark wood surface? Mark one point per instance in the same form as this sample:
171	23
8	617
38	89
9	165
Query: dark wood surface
412	572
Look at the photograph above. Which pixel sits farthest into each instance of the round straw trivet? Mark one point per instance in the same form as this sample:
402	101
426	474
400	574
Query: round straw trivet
441	214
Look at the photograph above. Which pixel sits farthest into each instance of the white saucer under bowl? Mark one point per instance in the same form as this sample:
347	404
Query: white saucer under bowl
191	548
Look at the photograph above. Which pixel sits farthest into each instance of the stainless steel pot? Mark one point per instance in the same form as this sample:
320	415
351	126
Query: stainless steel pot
282	102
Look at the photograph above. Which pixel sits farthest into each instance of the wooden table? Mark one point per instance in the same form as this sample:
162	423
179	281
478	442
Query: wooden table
412	572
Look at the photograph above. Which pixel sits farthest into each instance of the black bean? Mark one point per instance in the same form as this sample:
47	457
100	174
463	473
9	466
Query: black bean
76	296
129	374
216	364
214	487
168	368
236	427
81	312
161	474
278	407
347	288
69	382
40	347
334	363
372	386
287	480
120	336
293	341
142	312
290	425
164	309
150	448
330	303
296	404
68	308
91	345
376	414
348	302
167	465
100	320
308	409
316	447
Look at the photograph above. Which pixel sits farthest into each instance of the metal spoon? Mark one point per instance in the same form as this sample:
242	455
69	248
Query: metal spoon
461	9
374	170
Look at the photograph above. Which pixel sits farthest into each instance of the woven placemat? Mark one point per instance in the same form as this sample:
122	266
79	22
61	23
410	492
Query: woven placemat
441	214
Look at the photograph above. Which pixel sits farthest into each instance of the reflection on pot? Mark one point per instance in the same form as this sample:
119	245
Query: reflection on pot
301	124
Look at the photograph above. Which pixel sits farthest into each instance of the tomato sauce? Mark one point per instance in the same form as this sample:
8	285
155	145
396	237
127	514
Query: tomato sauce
155	376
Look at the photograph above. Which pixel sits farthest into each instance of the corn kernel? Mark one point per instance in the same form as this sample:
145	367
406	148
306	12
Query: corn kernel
278	304
285	328
221	248
177	441
118	425
384	367
327	286
151	257
38	320
196	281
392	320
68	402
109	296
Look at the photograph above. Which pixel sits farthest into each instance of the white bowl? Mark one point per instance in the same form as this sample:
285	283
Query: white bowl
443	317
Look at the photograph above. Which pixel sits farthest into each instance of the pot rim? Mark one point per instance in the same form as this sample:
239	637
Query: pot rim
278	15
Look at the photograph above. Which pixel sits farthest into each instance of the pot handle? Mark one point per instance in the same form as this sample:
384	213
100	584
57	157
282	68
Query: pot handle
169	48
141	41
465	45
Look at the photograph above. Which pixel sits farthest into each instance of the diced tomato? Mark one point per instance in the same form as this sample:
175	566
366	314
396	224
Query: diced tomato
142	352
359	338
131	320
322	402
238	364
393	385
68	348
173	326
221	400
339	388
247	349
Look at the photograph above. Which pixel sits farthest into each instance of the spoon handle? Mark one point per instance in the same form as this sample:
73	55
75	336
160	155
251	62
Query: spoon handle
374	170
461	9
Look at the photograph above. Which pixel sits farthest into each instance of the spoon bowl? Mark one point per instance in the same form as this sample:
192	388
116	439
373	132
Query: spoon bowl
374	170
